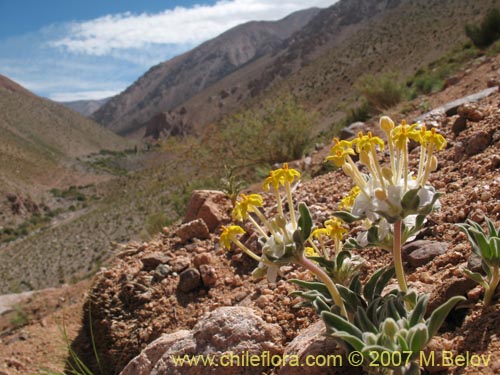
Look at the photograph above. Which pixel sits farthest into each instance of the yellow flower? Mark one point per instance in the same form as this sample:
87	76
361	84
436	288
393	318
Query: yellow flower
340	151
279	176
229	233
335	229
402	133
310	252
367	142
435	139
273	179
287	174
347	202
319	232
246	204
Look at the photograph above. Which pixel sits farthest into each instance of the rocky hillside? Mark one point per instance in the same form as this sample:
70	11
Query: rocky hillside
41	141
171	83
170	289
319	63
193	297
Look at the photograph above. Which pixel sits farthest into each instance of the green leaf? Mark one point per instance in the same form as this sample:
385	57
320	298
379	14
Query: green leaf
410	200
369	290
339	324
346	216
418	312
476	276
312	285
418	337
353	341
351	299
372	235
362	321
386	276
305	221
439	315
320	305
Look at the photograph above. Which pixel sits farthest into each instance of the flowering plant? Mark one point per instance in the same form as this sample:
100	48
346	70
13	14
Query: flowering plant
392	201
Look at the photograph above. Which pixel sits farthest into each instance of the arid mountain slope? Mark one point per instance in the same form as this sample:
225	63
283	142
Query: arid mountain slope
322	62
319	64
40	140
85	107
171	83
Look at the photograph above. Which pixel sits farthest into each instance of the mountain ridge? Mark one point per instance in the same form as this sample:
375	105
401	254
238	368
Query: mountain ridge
168	84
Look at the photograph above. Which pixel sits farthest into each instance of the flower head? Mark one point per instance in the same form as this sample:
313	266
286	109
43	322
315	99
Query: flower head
335	228
347	202
229	233
279	176
435	139
367	142
402	133
246	204
340	151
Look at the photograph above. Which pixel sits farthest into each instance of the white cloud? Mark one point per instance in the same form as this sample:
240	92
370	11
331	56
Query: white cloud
83	95
178	26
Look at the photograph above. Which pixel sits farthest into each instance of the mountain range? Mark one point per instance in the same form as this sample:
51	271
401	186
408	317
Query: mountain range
317	55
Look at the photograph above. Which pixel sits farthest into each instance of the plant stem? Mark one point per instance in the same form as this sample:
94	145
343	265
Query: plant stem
323	277
246	250
290	205
398	259
492	287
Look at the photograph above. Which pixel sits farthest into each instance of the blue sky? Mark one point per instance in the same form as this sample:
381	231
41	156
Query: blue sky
73	49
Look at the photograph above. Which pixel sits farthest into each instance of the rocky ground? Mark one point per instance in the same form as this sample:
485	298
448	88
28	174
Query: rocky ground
184	290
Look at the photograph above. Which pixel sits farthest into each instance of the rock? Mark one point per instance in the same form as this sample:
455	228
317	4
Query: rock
493	82
435	348
352	130
470	112
213	207
179	264
477	142
152	260
459	125
228	333
477	215
451	108
474	263
452	286
312	342
144	362
190	279
202	258
161	271
208	275
194	229
418	253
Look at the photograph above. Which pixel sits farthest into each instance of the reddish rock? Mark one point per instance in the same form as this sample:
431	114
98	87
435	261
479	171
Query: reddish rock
213	207
153	260
420	252
189	280
208	275
477	142
194	229
471	112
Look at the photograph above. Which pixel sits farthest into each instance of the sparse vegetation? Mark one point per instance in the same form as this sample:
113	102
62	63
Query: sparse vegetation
487	32
381	91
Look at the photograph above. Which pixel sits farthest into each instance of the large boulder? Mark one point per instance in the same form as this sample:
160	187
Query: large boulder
227	336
